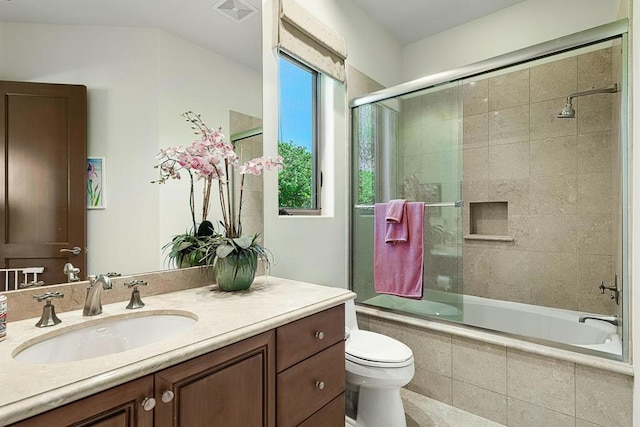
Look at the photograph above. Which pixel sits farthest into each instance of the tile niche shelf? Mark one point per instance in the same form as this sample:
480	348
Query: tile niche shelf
488	221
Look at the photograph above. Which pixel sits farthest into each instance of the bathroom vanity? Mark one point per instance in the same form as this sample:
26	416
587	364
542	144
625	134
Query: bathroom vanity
271	356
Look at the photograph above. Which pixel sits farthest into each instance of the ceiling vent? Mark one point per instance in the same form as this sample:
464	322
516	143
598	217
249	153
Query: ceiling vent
237	10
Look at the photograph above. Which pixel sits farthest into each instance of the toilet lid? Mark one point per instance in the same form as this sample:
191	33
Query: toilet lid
366	346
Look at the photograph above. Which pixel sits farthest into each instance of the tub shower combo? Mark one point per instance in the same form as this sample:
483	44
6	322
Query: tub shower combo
525	200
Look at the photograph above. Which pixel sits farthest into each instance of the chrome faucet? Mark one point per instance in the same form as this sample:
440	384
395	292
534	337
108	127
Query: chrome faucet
71	272
613	319
93	302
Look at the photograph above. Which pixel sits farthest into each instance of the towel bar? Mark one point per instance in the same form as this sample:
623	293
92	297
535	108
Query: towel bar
456	204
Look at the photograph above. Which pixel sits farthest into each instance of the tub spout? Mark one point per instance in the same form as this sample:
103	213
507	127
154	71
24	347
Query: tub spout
613	319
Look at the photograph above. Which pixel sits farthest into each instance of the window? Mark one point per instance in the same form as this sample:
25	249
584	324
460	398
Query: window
299	181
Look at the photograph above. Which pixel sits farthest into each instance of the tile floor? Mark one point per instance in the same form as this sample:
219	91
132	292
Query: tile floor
422	411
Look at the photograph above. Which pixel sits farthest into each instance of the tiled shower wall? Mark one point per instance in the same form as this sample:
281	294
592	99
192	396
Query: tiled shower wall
559	178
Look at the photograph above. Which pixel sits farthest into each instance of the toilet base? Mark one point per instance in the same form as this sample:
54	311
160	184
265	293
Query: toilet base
380	408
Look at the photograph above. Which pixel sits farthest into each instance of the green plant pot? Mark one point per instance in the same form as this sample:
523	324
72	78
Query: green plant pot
232	275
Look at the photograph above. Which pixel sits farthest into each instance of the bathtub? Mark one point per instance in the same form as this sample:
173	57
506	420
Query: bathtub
523	320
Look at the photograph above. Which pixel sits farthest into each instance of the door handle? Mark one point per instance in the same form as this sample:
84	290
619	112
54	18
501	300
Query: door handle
75	251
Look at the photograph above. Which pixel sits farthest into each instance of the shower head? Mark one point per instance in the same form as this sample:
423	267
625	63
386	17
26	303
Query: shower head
569	113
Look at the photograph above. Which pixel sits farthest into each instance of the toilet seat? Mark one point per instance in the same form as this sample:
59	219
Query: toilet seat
377	350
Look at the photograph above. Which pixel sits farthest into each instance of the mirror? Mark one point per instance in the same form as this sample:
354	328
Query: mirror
143	65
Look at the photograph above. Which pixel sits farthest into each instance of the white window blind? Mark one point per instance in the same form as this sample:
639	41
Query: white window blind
308	39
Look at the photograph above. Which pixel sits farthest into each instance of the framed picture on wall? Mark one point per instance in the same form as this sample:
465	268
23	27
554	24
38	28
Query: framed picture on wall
96	183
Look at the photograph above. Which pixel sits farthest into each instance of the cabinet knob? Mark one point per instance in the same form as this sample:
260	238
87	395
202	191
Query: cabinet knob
320	384
148	403
320	335
167	396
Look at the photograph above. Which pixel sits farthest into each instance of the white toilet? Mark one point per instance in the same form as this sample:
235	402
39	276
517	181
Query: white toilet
378	365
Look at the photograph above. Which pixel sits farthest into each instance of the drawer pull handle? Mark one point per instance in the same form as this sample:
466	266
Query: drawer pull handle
167	396
320	335
148	403
320	384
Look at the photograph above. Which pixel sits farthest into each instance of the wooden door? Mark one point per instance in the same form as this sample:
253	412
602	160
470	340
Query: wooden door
120	406
43	161
233	386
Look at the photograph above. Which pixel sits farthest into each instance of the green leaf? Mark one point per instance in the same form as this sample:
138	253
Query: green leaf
182	245
244	241
223	250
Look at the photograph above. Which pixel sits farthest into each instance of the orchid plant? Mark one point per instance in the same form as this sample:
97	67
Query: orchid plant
212	160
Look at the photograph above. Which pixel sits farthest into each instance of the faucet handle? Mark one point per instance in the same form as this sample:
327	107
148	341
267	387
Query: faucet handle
31	284
136	301
113	274
135	283
47	296
48	317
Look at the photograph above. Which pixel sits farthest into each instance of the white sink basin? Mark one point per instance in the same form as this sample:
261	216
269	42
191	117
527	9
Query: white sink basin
110	335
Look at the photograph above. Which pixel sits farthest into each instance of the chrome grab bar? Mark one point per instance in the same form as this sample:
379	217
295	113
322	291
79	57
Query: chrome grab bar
456	204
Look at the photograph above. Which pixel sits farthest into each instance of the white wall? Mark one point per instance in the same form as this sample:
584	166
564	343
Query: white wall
314	249
522	25
139	81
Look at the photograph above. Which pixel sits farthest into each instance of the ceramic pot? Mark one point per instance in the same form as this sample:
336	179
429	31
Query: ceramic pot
233	274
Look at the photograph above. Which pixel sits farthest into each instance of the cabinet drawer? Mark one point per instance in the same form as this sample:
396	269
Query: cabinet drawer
332	415
305	337
298	389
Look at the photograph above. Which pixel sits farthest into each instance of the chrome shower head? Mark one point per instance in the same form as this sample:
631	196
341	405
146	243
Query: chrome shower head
567	112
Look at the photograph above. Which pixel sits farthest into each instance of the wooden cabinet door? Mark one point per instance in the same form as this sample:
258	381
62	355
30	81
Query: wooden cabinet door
43	177
120	406
233	386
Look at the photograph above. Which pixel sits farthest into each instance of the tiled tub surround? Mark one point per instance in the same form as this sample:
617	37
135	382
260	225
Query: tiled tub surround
223	318
515	383
558	177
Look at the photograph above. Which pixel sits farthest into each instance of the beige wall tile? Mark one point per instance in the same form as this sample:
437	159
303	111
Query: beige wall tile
411	111
509	161
475	97
594	193
412	165
595	69
431	350
553	233
603	397
475	164
476	131
524	414
546	382
359	83
440	136
593	113
480	401
594	234
592	269
438	167
509	90
595	153
430	384
412	140
509	125
553	194
439	105
582	423
554	283
513	191
554	79
546	124
480	364
554	156
519	230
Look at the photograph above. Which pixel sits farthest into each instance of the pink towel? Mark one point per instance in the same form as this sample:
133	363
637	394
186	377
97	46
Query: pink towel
397	229
397	268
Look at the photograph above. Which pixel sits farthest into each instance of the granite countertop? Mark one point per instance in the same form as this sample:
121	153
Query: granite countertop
223	318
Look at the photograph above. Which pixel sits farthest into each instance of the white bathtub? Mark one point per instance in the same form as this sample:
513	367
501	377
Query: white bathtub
524	320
